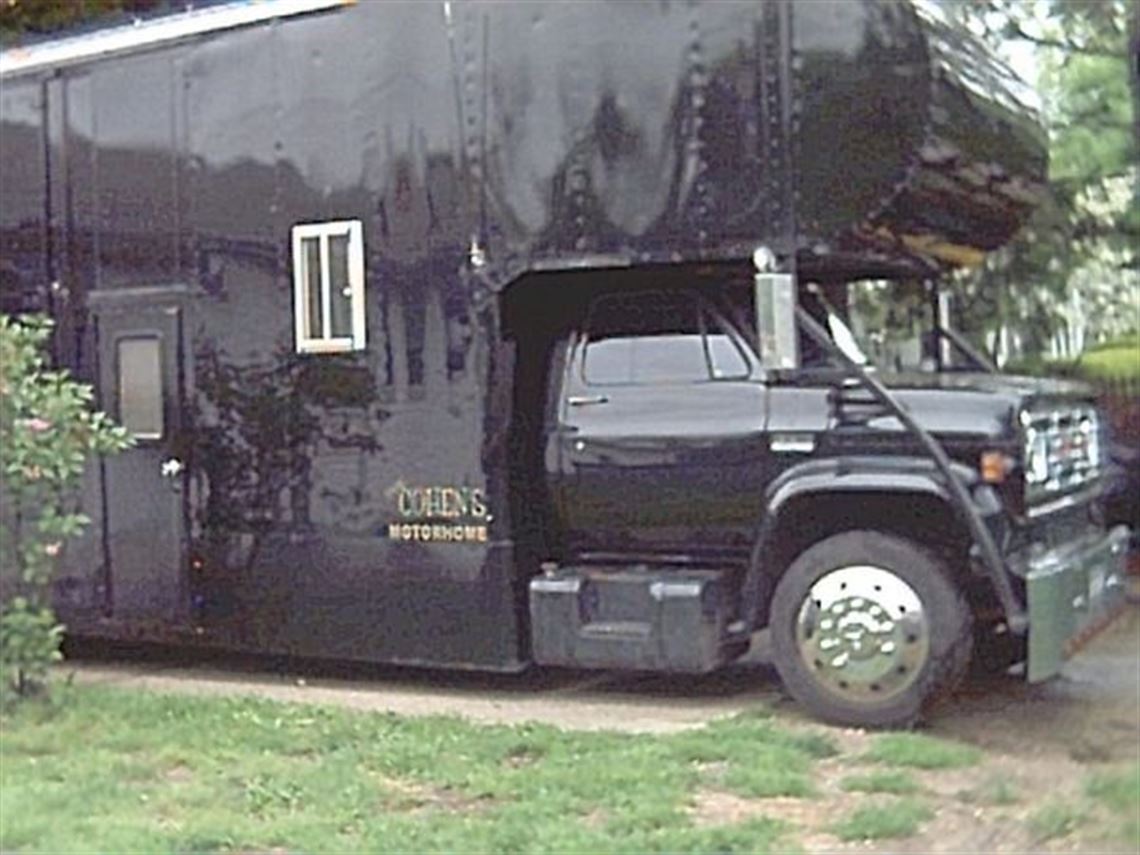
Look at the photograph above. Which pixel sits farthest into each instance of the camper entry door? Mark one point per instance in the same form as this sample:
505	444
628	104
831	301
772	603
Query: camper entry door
141	386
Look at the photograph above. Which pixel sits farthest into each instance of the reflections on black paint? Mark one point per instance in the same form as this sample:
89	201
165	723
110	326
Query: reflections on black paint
572	132
255	428
23	247
530	133
417	258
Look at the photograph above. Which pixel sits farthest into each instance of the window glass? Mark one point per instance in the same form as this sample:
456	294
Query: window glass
140	387
657	337
311	258
669	358
646	337
340	291
609	360
727	362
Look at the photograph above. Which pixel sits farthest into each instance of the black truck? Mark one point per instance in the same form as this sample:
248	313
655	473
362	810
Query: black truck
478	335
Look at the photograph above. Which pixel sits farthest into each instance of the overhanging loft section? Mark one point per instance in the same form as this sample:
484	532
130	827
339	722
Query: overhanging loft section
154	33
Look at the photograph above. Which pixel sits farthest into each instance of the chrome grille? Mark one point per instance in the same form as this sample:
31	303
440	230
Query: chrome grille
1062	451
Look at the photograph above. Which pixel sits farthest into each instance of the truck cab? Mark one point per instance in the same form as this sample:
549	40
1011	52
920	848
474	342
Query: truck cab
704	481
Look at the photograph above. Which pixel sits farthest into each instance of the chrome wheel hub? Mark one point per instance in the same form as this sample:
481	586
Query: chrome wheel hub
863	632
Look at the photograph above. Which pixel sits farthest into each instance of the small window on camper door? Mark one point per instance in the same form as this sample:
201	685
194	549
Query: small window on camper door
140	395
328	286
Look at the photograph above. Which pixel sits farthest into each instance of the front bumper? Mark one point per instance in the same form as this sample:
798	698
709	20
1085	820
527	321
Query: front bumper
1074	590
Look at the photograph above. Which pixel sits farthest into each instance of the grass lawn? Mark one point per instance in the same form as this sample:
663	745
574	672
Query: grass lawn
1119	358
917	751
1121	361
101	769
113	771
895	782
898	818
1118	793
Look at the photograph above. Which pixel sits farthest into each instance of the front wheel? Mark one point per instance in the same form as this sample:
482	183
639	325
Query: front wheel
869	629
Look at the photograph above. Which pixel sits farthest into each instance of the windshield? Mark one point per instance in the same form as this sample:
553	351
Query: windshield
820	306
892	323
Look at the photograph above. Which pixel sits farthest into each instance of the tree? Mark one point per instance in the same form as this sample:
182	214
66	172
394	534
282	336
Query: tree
20	18
1072	276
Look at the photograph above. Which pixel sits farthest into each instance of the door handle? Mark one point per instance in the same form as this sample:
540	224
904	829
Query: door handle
586	400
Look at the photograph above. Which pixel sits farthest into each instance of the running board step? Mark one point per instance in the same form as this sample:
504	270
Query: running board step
667	620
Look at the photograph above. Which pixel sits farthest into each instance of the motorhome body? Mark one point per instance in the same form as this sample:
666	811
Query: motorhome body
324	261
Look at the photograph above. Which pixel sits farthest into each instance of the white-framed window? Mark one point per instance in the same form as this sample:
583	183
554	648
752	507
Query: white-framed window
328	286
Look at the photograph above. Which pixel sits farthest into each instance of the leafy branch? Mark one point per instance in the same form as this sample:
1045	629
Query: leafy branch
47	433
1015	31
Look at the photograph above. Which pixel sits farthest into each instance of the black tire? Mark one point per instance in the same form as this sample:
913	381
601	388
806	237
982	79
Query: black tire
902	601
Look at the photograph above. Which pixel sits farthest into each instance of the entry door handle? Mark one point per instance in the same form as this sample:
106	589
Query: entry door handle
586	400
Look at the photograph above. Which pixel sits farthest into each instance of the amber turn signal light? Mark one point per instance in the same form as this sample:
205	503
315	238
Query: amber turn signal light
995	466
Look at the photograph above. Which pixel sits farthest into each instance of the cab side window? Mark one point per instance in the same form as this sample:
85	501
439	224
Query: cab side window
725	358
655	337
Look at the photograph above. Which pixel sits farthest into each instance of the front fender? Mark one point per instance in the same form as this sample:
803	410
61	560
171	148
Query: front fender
899	476
862	474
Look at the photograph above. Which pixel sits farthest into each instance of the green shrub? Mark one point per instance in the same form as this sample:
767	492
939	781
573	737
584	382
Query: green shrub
30	638
47	433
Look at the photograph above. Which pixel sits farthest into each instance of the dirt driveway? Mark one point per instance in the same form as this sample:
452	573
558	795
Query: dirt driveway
1093	709
1042	743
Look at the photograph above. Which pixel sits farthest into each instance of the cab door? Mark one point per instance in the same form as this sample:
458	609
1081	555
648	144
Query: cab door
140	347
661	429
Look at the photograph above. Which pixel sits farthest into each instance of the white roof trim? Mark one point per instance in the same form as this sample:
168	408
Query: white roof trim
157	31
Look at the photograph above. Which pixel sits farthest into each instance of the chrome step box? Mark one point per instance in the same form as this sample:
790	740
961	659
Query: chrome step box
638	619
